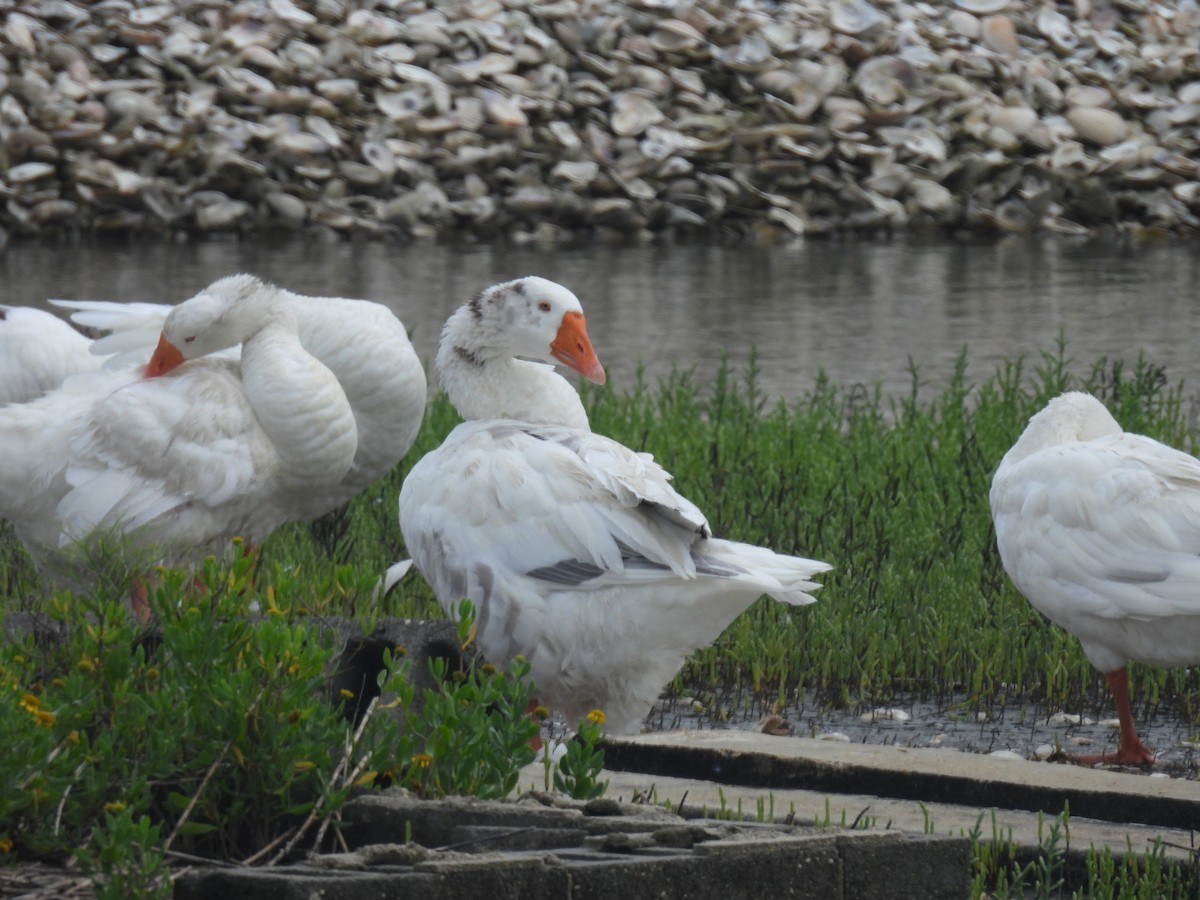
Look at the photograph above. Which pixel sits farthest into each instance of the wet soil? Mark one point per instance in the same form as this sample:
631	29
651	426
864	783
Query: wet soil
1024	728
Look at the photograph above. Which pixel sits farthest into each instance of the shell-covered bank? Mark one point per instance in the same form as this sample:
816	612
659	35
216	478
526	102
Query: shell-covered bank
560	119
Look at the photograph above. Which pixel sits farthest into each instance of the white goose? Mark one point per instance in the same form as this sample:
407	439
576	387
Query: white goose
38	352
184	462
361	342
1100	530
575	550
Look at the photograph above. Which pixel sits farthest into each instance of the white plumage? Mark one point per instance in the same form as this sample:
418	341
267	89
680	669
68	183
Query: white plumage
1100	530
575	550
362	343
229	443
38	352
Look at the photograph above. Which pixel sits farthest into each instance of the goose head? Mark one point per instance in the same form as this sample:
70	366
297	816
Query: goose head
532	318
223	315
1068	418
1073	416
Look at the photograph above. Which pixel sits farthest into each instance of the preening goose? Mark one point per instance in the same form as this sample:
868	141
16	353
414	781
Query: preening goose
362	343
1100	530
575	550
180	463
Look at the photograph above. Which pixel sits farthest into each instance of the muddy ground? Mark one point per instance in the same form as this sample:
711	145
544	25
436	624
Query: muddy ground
1020	727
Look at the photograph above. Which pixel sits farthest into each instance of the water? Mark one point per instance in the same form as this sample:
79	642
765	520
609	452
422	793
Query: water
861	311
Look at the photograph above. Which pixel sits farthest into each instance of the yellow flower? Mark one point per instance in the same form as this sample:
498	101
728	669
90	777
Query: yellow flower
30	702
72	737
6	844
541	713
488	669
115	807
152	673
59	682
596	717
349	695
422	760
87	665
45	719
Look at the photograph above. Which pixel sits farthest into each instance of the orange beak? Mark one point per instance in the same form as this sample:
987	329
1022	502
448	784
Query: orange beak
572	347
166	357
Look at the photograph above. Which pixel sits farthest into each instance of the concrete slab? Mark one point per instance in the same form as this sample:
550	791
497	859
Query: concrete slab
923	790
546	846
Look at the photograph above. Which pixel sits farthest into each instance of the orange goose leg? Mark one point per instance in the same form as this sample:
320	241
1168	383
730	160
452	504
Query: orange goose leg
1130	749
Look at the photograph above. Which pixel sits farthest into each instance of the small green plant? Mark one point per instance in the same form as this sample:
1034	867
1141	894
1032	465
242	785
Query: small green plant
474	734
578	770
125	858
998	869
1148	876
211	729
1003	868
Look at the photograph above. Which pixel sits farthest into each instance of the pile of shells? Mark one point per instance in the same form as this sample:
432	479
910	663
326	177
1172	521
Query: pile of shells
553	119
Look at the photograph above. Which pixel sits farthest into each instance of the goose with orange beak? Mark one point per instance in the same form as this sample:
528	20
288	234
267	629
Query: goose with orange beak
176	466
362	343
575	551
289	406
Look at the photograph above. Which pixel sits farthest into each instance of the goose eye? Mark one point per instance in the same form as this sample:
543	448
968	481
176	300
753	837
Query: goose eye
544	306
188	340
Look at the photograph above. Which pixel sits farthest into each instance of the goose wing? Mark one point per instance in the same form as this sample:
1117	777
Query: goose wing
557	504
1108	527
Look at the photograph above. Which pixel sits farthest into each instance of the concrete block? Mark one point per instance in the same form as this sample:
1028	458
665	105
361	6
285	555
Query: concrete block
903	866
544	847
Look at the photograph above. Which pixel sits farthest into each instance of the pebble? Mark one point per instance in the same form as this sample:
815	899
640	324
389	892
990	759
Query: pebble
836	736
1068	719
883	714
1006	754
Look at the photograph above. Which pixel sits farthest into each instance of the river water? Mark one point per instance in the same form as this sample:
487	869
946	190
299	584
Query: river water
860	311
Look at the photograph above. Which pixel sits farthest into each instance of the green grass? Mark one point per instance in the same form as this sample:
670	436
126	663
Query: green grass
1002	868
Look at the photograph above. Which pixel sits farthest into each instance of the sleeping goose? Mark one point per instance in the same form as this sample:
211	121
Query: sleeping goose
575	551
1100	530
362	343
181	463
